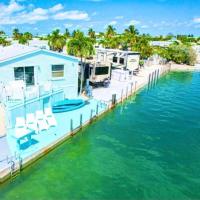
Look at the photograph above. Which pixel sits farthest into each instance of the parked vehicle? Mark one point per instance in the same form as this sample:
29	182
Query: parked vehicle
99	75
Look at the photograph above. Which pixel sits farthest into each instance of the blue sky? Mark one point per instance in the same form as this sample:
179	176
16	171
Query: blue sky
149	16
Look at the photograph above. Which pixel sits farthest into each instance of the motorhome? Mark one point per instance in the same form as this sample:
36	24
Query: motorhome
127	60
99	74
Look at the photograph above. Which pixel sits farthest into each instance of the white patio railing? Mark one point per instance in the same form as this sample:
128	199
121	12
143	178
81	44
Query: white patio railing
17	91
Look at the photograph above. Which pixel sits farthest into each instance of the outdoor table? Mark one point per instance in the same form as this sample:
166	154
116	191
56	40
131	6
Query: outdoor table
25	133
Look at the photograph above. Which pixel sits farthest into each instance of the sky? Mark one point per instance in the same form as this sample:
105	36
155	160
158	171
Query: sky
149	16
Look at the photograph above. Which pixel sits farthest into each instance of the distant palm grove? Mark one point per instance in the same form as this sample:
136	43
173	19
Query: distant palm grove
82	45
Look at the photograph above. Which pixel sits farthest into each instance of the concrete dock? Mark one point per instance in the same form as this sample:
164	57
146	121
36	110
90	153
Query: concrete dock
124	86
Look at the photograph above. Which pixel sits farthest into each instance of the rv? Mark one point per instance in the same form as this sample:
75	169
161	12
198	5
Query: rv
127	60
99	74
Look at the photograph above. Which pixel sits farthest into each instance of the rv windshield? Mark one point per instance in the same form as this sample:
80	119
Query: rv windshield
101	70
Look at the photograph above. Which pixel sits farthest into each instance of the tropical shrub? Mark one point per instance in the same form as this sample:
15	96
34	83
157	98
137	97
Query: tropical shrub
143	47
3	41
180	54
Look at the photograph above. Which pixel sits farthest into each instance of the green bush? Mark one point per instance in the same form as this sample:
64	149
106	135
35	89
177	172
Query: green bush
180	54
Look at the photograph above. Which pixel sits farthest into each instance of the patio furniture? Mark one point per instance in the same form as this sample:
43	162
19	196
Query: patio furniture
41	121
31	122
22	134
20	122
51	120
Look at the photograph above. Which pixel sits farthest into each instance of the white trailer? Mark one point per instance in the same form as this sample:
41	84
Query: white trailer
99	74
127	60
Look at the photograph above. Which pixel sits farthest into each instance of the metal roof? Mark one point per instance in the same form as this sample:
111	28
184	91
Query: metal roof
17	51
14	51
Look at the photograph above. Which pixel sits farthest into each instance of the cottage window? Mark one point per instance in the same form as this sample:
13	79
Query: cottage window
57	71
26	74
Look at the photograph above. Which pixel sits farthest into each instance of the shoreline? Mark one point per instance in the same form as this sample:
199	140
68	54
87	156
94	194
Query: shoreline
147	76
181	67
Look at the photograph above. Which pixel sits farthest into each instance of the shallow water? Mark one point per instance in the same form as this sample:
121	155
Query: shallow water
146	148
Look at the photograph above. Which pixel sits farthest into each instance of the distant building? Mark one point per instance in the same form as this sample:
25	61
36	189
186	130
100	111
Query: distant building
161	43
117	58
36	42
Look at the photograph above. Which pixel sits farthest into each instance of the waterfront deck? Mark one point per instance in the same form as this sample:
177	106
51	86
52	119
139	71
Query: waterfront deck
66	123
124	86
71	121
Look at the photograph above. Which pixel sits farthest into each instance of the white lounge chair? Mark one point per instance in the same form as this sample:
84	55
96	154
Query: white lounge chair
20	122
51	120
20	126
31	122
41	121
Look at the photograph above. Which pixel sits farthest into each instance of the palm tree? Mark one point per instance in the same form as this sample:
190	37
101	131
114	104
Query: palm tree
110	31
56	41
130	36
101	35
142	45
2	33
91	33
28	36
109	39
23	39
16	34
132	30
3	40
67	33
82	47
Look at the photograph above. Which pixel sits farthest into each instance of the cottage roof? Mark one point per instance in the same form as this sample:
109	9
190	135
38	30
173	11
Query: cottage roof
17	51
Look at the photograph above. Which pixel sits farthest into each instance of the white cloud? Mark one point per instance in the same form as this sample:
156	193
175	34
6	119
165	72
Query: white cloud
15	13
39	11
56	8
10	9
196	20
13	7
73	15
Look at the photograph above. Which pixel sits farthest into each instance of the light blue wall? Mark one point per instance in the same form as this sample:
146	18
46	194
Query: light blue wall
42	61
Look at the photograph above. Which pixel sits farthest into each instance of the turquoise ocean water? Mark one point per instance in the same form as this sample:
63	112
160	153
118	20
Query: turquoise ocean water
146	148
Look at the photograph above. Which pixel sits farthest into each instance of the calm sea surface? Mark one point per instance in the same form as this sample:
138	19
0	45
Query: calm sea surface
146	148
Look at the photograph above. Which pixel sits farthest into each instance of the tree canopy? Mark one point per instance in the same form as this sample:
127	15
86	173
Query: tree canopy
56	41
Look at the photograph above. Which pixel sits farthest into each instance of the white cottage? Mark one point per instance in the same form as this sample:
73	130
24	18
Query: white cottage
33	78
40	68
